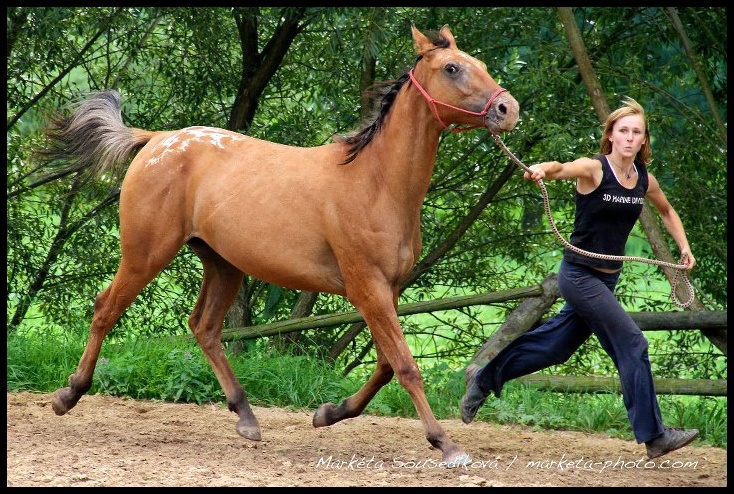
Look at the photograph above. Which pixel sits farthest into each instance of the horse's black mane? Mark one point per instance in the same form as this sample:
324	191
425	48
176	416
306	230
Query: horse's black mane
384	93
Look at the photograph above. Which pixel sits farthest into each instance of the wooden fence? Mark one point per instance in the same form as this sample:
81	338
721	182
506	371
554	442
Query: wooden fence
537	300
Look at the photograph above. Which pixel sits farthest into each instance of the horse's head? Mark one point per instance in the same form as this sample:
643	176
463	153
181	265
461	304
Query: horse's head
458	87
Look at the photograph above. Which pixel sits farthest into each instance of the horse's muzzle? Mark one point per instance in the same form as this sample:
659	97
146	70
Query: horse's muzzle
503	114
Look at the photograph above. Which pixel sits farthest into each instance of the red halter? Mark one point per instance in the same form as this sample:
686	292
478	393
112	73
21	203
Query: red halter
433	102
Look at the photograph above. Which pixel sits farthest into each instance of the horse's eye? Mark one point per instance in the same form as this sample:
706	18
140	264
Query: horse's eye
451	68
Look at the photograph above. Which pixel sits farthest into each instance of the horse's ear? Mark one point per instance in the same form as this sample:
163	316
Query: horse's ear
423	43
420	41
446	33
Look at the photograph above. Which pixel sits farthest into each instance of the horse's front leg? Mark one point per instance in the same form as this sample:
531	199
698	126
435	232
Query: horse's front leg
351	407
377	306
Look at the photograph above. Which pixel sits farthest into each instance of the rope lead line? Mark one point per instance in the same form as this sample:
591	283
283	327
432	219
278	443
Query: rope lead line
680	268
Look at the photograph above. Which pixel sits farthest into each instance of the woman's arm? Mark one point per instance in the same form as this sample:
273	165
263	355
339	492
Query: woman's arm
671	220
587	172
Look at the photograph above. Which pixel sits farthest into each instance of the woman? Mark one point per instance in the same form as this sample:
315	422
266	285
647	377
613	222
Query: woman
611	188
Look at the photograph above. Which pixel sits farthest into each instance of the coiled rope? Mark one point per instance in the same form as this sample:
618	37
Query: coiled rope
680	268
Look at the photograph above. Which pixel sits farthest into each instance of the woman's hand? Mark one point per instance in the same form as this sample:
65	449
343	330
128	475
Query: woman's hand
687	258
537	173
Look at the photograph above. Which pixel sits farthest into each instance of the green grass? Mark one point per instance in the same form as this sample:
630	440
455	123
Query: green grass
177	371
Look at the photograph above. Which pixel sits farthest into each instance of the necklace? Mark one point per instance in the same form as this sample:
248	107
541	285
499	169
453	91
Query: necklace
628	173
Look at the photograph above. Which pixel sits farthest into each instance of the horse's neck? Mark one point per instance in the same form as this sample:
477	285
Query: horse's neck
407	145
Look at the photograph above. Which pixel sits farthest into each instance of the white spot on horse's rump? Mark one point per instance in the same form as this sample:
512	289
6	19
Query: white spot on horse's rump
180	141
213	135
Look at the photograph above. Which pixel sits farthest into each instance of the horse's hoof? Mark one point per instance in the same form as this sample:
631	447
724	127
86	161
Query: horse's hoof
323	417
251	432
456	460
60	401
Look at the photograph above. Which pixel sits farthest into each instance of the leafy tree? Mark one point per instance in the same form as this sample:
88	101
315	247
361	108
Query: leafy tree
295	75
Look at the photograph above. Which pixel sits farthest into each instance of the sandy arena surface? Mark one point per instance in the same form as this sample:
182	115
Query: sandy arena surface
109	441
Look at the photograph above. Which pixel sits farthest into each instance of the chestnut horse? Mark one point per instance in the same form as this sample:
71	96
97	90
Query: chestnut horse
342	218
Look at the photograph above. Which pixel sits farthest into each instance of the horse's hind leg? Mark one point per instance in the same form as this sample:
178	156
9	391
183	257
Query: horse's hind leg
108	307
218	290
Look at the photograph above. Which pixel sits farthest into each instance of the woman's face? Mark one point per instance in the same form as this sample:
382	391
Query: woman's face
628	135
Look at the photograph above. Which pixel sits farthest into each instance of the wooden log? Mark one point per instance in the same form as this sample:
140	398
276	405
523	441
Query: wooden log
327	320
599	384
540	299
519	321
675	320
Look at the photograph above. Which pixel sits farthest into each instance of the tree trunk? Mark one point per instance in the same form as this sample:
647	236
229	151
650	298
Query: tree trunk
586	69
257	70
302	308
678	25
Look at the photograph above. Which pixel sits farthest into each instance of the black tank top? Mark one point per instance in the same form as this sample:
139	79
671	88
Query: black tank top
605	217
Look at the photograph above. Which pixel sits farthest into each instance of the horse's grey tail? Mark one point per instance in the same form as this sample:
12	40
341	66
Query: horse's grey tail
92	140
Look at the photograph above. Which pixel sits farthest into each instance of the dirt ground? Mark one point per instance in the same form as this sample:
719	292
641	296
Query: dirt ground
108	441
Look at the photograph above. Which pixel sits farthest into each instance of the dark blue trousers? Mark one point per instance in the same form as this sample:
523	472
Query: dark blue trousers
590	308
